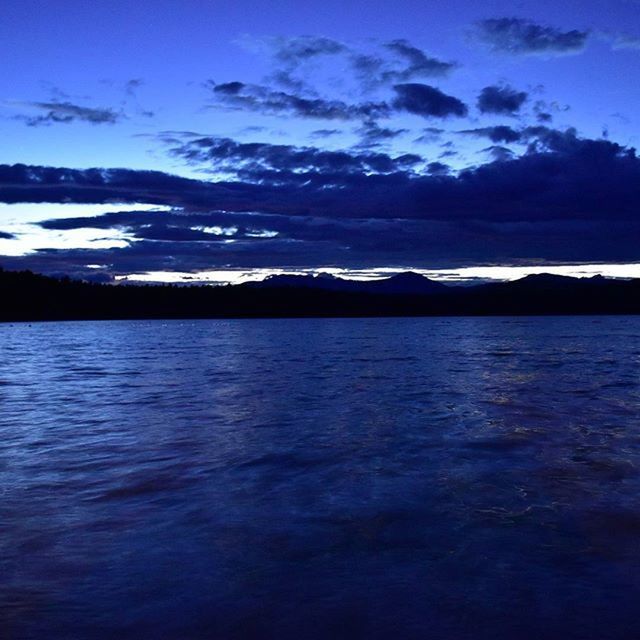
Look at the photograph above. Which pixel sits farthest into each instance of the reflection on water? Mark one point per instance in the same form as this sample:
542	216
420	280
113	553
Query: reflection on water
410	478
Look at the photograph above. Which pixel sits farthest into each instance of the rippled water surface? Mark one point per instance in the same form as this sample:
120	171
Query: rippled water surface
342	478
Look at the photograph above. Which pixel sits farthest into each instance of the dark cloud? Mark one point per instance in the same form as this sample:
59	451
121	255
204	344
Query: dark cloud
419	64
396	61
430	134
294	50
438	169
25	183
264	161
425	100
229	88
408	63
561	176
132	86
368	68
501	100
500	133
128	220
288	80
56	112
566	199
4	235
325	133
544	111
372	134
415	98
542	138
313	241
292	57
273	102
524	37
449	150
499	153
175	233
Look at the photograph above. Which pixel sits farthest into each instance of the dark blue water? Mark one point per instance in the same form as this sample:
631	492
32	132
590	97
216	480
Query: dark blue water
358	478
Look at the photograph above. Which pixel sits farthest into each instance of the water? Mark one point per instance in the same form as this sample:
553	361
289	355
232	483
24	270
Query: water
343	478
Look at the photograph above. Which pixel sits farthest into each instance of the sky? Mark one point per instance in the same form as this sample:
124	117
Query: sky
223	141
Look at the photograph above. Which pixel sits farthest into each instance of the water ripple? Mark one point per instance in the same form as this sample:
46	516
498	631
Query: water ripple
366	478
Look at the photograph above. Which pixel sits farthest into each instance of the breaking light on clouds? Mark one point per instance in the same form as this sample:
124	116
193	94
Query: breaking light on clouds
21	222
464	275
30	212
27	241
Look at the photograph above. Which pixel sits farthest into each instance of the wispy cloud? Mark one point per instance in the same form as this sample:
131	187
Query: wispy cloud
65	112
499	133
622	41
386	63
518	36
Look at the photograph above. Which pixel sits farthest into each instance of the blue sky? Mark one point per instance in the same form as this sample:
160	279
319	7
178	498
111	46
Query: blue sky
355	136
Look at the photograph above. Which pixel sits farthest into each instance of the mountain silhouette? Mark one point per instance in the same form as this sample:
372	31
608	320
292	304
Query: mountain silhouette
28	296
407	282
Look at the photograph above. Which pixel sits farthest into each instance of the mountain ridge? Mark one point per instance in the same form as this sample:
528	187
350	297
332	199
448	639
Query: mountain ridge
400	283
28	296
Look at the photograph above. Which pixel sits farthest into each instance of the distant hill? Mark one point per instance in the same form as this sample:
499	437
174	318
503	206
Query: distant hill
28	296
402	283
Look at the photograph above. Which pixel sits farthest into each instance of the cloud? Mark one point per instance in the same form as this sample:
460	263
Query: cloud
293	56
408	63
268	101
500	133
295	50
429	134
296	58
132	86
4	235
373	134
255	160
419	64
561	176
517	36
325	133
502	100
499	153
625	41
438	169
288	90
565	199
427	101
542	138
545	111
63	112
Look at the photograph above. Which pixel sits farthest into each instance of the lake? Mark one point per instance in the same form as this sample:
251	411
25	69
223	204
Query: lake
330	478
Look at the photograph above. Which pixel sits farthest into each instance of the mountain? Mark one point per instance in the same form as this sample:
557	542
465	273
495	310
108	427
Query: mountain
408	282
548	282
25	296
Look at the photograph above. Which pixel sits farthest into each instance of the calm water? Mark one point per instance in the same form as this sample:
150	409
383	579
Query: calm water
359	478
